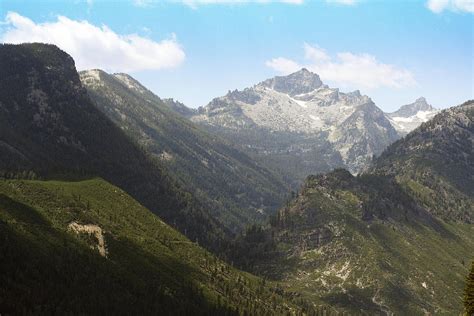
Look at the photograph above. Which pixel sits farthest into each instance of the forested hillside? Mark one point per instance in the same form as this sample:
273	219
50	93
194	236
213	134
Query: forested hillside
397	239
435	163
234	188
86	247
73	243
49	128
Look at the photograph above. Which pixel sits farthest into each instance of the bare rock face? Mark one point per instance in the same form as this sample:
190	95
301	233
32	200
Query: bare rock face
297	115
93	230
299	82
411	109
410	116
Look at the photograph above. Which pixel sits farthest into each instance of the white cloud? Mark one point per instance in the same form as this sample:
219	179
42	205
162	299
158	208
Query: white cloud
283	65
95	47
439	6
315	53
361	70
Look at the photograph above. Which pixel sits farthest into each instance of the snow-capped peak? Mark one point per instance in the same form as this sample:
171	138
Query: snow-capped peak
410	116
306	111
411	109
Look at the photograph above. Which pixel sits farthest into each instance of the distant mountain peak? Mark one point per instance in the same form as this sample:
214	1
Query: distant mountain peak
345	128
421	99
411	109
410	116
300	82
303	70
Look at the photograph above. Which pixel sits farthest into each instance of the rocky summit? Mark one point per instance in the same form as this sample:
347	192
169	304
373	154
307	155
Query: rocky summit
320	126
410	116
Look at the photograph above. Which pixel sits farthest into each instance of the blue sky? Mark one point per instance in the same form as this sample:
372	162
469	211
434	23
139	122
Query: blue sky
393	51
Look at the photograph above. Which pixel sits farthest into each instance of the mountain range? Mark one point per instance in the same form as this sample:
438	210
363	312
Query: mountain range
50	129
319	127
396	239
75	235
113	200
236	190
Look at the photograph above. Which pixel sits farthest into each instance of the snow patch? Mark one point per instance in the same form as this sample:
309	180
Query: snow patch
424	115
407	124
299	102
404	119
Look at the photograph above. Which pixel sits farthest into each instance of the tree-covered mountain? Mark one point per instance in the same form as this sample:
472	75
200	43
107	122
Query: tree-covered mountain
81	168
435	163
72	243
179	107
396	239
235	189
87	247
50	128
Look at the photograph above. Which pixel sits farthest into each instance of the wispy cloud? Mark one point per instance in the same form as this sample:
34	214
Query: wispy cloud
439	6
95	47
346	68
343	2
196	3
283	65
142	3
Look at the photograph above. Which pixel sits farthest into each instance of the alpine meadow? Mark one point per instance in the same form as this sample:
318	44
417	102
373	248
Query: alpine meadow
244	158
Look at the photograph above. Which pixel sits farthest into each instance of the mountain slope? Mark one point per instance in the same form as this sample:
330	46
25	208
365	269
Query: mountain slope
469	292
435	163
226	181
179	108
50	232
310	115
354	142
397	239
50	127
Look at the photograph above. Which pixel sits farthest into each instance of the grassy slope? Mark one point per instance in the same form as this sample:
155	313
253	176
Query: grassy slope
150	267
404	267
